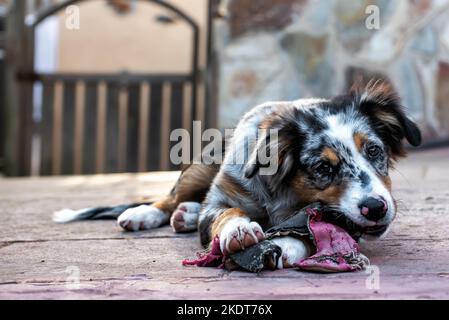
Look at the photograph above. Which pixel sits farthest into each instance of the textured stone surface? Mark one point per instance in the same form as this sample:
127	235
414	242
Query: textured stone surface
409	85
312	58
254	70
260	15
426	42
351	29
445	36
323	39
39	259
317	17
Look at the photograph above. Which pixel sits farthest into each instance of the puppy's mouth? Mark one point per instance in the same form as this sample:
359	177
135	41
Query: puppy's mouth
375	231
355	230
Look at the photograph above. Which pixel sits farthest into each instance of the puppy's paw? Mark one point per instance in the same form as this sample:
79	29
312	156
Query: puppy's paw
142	218
238	234
185	217
293	250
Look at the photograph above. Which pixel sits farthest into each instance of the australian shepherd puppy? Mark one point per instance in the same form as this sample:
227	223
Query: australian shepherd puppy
337	152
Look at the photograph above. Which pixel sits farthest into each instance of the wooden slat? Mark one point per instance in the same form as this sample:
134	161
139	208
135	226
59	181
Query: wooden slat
57	128
187	106
200	107
46	128
90	127
165	129
96	129
145	92
133	128
35	154
68	128
122	129
25	129
112	128
80	92
101	128
187	119
177	114
3	120
21	127
154	116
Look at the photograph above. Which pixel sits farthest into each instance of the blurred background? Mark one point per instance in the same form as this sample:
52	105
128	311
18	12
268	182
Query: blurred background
96	86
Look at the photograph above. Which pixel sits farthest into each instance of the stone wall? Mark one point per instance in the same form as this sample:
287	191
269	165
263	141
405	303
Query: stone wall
289	49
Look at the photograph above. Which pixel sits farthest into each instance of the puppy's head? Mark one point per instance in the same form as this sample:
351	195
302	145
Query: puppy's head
339	152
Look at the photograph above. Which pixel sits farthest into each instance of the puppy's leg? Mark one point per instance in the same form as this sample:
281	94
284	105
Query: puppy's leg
190	191
236	231
147	217
293	250
191	187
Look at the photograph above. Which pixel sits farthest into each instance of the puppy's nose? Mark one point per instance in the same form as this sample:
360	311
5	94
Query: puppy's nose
373	208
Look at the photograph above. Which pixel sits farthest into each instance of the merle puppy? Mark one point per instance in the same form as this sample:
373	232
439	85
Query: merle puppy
337	152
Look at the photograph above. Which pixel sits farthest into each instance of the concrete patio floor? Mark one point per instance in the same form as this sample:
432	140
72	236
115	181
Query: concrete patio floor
43	260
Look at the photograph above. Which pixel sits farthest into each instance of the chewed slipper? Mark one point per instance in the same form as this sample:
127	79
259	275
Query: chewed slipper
335	249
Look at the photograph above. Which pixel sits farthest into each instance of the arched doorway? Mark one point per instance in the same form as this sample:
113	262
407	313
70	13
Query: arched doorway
104	122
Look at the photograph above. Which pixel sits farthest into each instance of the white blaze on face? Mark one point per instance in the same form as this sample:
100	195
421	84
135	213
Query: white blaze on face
356	192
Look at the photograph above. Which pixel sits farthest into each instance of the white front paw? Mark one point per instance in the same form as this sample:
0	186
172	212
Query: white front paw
143	217
238	234
293	250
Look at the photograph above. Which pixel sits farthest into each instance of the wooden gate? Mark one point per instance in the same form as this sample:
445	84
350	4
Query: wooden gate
97	123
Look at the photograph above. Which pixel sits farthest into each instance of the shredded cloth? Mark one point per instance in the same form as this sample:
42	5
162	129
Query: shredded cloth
263	255
335	249
212	258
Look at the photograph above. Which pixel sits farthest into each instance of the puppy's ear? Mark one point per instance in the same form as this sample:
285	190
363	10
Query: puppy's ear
270	151
273	156
253	163
380	103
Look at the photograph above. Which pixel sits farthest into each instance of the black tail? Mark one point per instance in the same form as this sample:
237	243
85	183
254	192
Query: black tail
68	215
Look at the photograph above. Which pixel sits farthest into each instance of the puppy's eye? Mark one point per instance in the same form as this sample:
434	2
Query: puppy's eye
373	151
323	169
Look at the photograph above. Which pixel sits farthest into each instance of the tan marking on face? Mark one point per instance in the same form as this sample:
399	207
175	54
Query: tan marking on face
223	218
309	194
330	155
284	142
360	139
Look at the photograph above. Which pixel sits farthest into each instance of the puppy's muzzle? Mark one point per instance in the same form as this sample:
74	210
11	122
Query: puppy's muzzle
373	209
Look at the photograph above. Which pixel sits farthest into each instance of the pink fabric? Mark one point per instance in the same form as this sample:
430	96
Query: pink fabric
212	258
335	248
